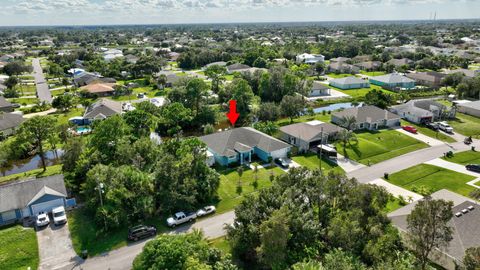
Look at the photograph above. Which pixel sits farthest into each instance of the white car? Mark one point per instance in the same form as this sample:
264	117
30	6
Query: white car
42	219
59	216
445	127
206	211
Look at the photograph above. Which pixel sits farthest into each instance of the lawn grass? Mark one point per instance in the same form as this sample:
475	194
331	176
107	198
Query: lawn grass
393	204
464	158
361	92
376	146
340	75
51	170
372	73
62	118
229	178
311	161
19	248
433	178
304	118
24	101
430	133
466	125
221	243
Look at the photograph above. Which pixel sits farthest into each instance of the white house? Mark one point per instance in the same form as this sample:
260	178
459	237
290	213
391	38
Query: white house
309	58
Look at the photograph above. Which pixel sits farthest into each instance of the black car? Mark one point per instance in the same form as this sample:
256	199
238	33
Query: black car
281	162
141	231
473	167
433	126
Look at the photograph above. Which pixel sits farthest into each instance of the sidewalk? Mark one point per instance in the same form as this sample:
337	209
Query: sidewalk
348	165
421	137
396	190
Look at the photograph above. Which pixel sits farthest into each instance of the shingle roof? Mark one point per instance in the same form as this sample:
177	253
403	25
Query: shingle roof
225	143
99	88
430	76
308	132
316	85
349	80
234	67
9	120
392	78
105	107
4	103
400	62
18	195
371	113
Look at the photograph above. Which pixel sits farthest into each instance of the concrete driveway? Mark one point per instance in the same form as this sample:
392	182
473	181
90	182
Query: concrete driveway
55	248
423	138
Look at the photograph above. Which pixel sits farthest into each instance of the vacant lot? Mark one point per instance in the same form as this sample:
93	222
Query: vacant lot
373	147
361	92
432	178
311	161
464	158
19	248
466	125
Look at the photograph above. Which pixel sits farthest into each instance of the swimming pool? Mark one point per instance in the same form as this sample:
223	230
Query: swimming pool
83	129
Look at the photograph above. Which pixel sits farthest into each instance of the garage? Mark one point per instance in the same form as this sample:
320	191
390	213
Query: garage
46	206
280	153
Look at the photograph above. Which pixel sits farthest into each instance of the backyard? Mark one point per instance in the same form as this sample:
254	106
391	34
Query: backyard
376	146
431	178
19	248
311	161
466	125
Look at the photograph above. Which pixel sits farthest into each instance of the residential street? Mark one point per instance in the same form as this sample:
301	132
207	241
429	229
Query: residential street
42	86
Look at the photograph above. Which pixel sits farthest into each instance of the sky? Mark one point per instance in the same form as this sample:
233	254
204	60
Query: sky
108	12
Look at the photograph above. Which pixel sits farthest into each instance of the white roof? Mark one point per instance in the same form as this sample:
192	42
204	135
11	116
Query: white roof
314	123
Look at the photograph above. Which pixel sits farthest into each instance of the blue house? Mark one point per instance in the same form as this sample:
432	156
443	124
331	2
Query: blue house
238	145
393	80
351	82
26	198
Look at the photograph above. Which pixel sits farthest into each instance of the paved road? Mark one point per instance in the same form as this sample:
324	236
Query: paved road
42	86
122	258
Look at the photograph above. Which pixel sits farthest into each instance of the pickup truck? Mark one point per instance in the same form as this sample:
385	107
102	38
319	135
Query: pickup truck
180	218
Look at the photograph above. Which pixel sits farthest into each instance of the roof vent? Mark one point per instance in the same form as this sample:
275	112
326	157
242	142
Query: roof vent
464	211
471	207
458	214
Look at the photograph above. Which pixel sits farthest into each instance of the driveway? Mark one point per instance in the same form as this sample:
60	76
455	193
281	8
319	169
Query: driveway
348	165
396	190
451	166
55	248
423	138
42	86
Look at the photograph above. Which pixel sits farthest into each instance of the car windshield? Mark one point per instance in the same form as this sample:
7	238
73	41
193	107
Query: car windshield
59	214
42	219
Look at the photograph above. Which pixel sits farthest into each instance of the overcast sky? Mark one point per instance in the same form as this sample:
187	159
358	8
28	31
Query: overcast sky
88	12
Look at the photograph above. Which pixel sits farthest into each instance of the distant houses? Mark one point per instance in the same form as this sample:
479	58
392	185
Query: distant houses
351	82
429	78
369	65
9	122
400	62
367	117
342	67
393	81
102	109
308	58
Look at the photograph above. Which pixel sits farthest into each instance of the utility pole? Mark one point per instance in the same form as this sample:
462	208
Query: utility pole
321	148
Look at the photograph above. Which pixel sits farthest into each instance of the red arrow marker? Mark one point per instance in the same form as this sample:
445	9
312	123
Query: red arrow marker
232	114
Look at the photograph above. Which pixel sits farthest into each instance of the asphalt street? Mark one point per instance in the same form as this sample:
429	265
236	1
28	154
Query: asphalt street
43	92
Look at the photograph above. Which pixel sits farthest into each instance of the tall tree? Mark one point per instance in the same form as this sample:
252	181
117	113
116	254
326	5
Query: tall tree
216	73
292	106
471	261
37	130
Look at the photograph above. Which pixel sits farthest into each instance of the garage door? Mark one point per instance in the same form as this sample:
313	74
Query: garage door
279	153
46	206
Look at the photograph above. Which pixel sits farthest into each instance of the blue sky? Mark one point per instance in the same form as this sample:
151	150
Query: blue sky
87	12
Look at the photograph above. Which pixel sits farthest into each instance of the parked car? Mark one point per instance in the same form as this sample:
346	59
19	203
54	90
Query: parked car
42	219
432	126
140	232
473	167
206	211
141	95
445	127
410	129
16	105
282	162
180	218
59	216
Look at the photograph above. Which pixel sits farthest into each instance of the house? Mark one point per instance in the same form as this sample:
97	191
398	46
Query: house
5	105
102	109
308	135
111	54
340	60
400	62
220	63
342	67
237	68
351	82
99	89
172	79
309	58
361	58
429	78
467	72
465	226
85	78
319	89
421	111
369	65
367	117
393	80
471	108
28	197
9	122
238	145
173	56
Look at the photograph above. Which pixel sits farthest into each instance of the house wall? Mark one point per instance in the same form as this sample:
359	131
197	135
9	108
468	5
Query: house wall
350	86
393	85
468	110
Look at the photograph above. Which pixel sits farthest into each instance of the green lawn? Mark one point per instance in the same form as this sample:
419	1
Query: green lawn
221	243
466	125
360	93
372	73
304	118
24	101
393	204
341	75
428	132
229	178
51	170
464	158
62	118
373	147
311	161
19	248
433	178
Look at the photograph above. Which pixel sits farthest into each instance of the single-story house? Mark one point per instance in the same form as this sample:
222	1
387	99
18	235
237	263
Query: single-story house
429	78
367	117
400	62
99	89
465	226
369	65
351	82
362	58
238	145
85	78
471	108
310	134
413	113
467	72
340	60
5	105
28	197
393	80
236	68
220	63
102	109
342	67
9	122
308	58
319	89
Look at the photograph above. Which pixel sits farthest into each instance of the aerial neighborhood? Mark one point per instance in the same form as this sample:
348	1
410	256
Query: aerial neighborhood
241	146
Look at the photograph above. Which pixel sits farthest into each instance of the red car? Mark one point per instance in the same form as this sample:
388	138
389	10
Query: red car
410	129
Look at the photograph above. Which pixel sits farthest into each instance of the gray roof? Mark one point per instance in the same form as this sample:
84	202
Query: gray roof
429	76
473	105
339	59
392	78
308	132
9	120
316	85
400	62
4	103
370	113
235	67
349	80
226	143
105	107
466	228
369	64
19	194
220	63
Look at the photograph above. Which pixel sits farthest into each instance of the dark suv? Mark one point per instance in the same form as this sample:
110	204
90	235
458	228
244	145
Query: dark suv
433	126
141	231
473	167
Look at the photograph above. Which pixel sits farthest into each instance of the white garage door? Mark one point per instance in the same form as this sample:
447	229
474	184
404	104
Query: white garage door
279	153
46	206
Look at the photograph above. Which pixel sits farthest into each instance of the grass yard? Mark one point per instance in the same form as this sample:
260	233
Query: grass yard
374	147
466	125
19	248
432	178
229	178
372	73
51	170
360	93
304	118
311	161
337	76
393	204
464	158
62	118
221	243
430	133
24	101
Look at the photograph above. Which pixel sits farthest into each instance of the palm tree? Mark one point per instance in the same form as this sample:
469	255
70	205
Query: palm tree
348	122
346	136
